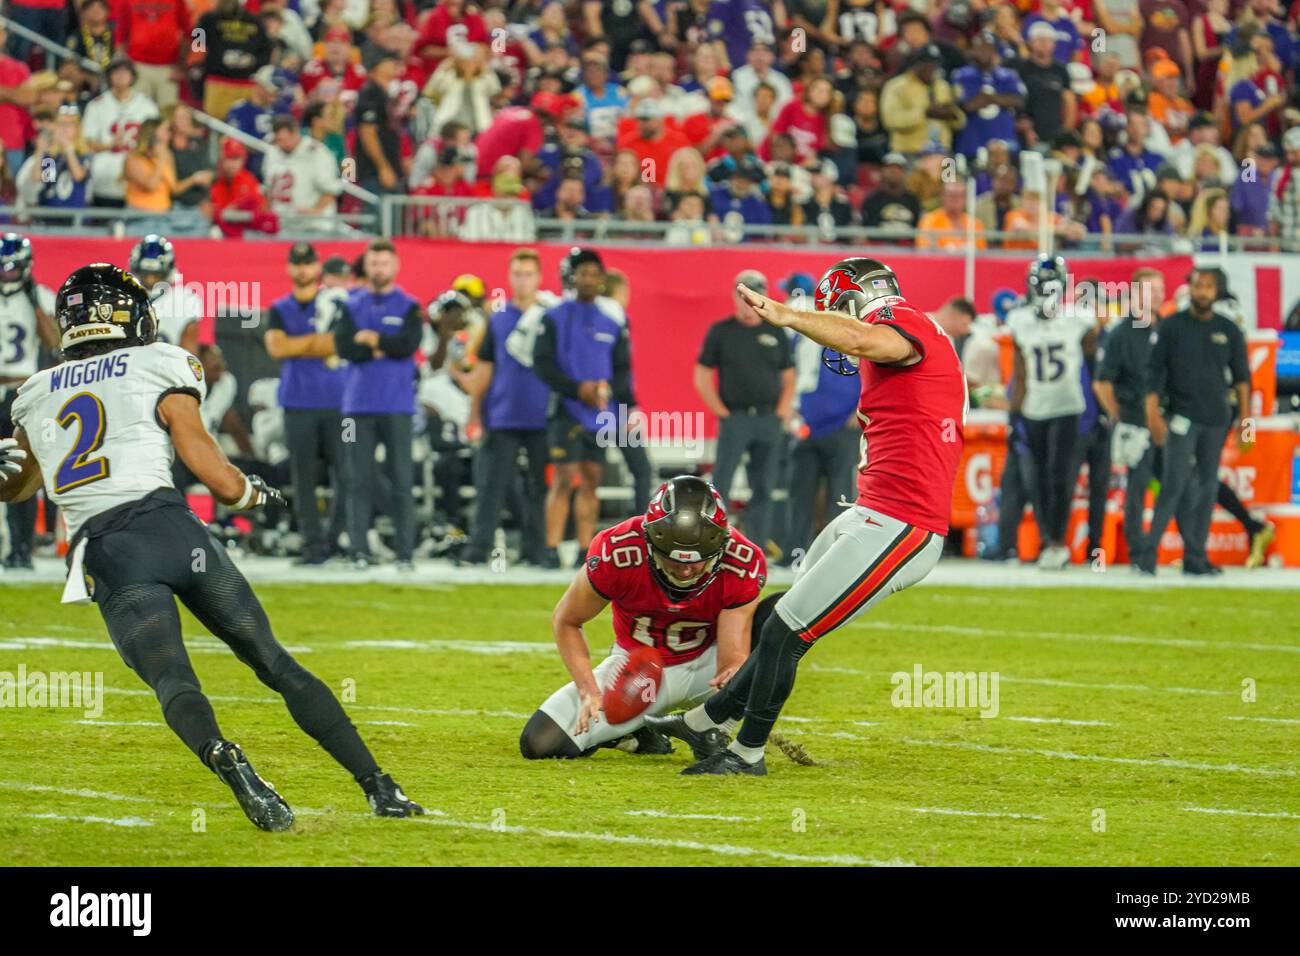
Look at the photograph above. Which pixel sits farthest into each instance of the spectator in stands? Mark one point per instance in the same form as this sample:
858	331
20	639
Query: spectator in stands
619	25
509	404
891	207
1006	27
58	171
1132	164
150	32
237	47
1249	101
753	398
551	29
463	87
514	131
571	198
1049	100
826	208
1066	34
1210	218
1211	33
1165	26
377	335
150	175
92	35
862	71
785	209
1122	21
917	105
237	200
46	17
686	176
739	202
1284	203
602	101
992	208
688	227
815	19
335	63
1180	192
704	66
110	124
15	99
192	153
1204	133
758	71
450	20
947	226
1149	217
807	120
508	220
298	336
300	173
653	141
378	160
756	117
253	115
990	94
706	129
1252	190
571	143
1165	104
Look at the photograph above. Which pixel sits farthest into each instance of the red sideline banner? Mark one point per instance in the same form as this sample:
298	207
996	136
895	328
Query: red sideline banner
675	293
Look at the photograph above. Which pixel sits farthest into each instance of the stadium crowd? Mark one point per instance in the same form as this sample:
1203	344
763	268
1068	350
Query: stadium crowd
1173	119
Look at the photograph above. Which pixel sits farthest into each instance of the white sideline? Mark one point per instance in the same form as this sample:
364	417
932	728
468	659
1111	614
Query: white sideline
1268	720
1061	720
1045	682
120	822
436	818
977	813
424	711
1067	755
690	816
1281	815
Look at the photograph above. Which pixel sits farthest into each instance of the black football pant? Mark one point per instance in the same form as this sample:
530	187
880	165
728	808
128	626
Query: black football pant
1051	449
1189	485
20	517
140	558
368	433
1093	449
315	440
497	478
762	437
830	459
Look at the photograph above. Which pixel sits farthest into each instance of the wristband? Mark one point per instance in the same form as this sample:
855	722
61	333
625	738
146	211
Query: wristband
246	498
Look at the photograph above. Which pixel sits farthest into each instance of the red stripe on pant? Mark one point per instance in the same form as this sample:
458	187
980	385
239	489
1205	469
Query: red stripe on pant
901	553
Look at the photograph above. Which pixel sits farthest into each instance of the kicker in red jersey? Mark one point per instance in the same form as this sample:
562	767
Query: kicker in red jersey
912	422
618	567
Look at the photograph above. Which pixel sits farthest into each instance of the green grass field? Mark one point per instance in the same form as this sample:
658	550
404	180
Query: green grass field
1134	726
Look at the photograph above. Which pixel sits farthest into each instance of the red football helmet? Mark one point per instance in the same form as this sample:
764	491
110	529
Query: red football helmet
852	284
686	523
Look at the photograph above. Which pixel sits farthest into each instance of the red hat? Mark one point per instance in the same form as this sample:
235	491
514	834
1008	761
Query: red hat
233	149
556	104
338	32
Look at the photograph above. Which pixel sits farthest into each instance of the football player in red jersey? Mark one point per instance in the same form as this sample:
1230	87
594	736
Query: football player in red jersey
912	411
681	581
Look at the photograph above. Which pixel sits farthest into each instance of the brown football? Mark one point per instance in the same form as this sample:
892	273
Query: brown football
635	687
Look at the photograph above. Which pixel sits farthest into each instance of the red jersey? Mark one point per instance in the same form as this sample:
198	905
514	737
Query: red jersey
618	567
314	72
440	29
912	422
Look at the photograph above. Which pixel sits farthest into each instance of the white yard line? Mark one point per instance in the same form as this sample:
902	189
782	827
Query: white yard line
1268	720
1182	642
1046	682
1133	761
119	822
440	644
196	645
947	811
659	814
119	723
1280	815
421	711
1060	720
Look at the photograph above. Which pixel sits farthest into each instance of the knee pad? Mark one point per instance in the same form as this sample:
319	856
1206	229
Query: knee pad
542	738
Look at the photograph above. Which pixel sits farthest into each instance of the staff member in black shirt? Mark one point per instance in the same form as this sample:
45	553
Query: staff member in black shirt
1195	356
379	162
1049	102
753	398
1121	391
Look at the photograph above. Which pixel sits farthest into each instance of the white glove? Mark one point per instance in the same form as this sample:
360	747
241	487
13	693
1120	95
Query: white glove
11	459
256	494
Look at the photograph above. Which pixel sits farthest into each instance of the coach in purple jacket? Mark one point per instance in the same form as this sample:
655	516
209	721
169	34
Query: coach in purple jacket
377	336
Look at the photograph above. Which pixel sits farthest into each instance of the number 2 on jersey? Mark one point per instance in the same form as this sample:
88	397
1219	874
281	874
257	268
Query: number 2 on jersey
77	468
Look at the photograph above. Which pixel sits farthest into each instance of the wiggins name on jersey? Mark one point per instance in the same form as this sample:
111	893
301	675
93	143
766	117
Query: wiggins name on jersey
92	425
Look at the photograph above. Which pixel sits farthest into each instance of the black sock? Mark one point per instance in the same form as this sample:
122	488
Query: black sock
772	681
1228	500
190	716
318	712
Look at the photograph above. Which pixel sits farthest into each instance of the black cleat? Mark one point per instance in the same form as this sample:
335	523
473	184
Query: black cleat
703	743
386	798
261	804
645	741
550	560
726	763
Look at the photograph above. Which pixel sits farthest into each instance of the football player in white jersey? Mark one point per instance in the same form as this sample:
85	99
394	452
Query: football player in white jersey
26	323
101	431
300	173
179	310
1051	340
